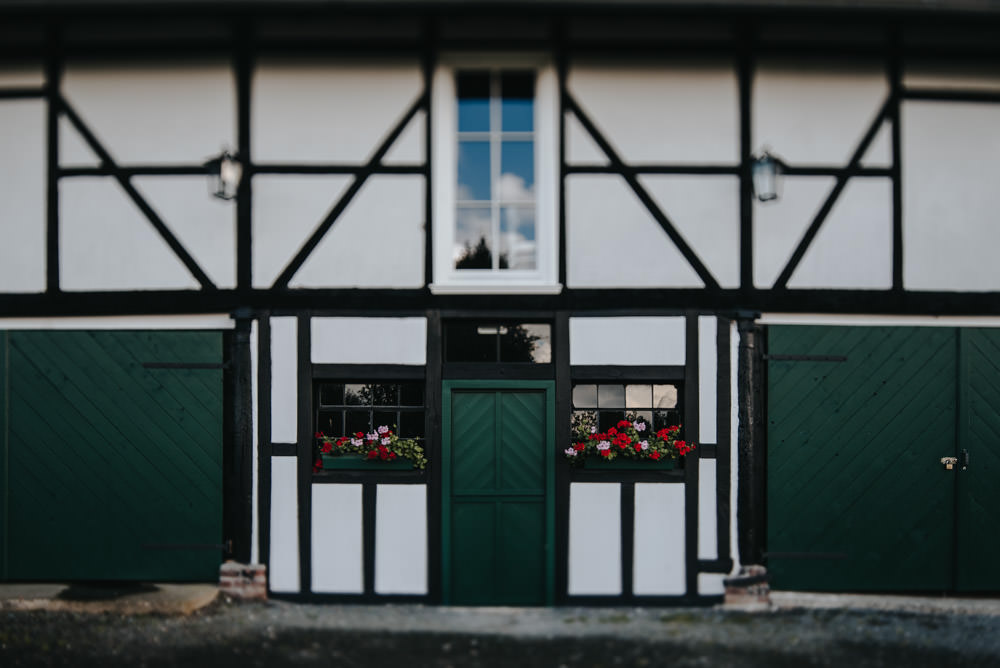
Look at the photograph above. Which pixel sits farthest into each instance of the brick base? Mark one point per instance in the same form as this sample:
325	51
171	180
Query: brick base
748	589
243	581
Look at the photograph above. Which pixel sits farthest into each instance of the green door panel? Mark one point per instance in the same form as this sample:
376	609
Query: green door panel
853	458
108	459
978	494
498	510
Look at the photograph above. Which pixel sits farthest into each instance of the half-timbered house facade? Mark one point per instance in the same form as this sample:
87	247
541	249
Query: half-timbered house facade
475	223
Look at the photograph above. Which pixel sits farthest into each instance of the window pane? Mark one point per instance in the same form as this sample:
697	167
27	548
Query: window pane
664	396
356	395
473	239
638	396
411	394
517	90
464	343
644	416
611	396
609	419
585	396
330	423
331	394
526	343
384	395
411	425
518	247
585	418
474	170
473	89
357	421
664	419
385	418
517	171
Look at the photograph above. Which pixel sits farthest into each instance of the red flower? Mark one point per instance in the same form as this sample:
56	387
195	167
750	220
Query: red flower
319	434
612	432
341	441
605	453
579	446
624	424
373	454
654	455
318	465
326	448
359	434
663	433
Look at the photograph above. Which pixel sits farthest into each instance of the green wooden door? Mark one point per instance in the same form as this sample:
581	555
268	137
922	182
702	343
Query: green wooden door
114	469
858	421
498	505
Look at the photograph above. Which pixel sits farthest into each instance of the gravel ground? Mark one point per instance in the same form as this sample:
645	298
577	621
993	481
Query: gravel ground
276	634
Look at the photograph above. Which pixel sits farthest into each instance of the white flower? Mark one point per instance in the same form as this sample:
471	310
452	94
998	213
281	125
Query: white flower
644	445
372	436
639	425
383	430
570	451
593	430
357	442
386	441
603	445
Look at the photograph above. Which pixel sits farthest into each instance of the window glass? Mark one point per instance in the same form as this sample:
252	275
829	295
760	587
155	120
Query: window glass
658	405
347	409
517	90
493	342
473	91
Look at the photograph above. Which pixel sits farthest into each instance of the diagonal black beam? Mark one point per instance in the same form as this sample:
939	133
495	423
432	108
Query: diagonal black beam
359	180
831	199
137	199
630	177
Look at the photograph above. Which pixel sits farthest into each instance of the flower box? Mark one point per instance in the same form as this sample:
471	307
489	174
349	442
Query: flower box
356	462
627	463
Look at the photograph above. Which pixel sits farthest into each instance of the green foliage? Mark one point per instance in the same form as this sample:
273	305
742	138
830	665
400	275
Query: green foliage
382	444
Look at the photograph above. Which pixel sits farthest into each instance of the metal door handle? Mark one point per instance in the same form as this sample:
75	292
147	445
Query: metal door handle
964	459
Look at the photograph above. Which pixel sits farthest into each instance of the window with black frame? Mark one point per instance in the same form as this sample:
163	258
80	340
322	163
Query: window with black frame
605	404
497	342
377	420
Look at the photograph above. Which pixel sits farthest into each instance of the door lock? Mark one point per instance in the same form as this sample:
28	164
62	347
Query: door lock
949	462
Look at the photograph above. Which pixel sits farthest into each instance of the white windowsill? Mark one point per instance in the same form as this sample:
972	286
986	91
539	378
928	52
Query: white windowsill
495	289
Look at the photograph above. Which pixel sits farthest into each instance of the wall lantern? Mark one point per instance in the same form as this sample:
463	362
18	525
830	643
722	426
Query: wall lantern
766	175
224	173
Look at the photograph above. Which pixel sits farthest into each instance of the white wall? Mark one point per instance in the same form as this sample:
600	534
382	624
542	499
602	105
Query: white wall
284	380
283	567
659	562
627	341
401	539
337	564
595	539
22	206
369	340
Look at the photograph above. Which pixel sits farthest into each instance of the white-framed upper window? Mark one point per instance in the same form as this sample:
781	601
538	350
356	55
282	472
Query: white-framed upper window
495	174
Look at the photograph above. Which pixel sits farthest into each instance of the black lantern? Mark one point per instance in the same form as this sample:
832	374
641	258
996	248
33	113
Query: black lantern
225	172
766	174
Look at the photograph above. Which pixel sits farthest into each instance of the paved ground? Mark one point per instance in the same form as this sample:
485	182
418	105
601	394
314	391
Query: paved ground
800	630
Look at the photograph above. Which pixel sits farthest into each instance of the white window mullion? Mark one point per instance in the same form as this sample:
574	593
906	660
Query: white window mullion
495	114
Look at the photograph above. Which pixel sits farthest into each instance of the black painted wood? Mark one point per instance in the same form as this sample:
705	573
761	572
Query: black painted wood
265	448
304	421
723	448
692	402
53	80
564	402
433	429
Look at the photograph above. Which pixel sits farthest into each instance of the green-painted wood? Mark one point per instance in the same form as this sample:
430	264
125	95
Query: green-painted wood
625	464
358	462
853	458
108	458
978	526
498	510
4	449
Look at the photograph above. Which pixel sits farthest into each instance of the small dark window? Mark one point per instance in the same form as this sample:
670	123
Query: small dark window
346	408
602	405
493	342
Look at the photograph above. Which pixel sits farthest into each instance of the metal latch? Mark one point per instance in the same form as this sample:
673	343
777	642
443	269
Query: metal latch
949	462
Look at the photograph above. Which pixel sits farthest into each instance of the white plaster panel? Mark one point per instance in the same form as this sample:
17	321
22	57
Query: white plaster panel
283	569
660	113
255	417
947	75
708	537
779	225
205	321
705	210
581	149
106	243
284	380
409	148
204	225
659	565
711	584
708	365
595	539
401	539
879	153
613	241
73	150
328	111
378	240
627	341
17	76
286	212
853	248
155	112
22	206
337	548
369	340
950	196
815	111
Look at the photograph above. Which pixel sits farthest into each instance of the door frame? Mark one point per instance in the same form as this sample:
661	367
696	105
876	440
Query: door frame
549	388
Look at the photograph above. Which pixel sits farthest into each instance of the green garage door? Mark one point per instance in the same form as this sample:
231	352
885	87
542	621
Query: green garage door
498	506
858	421
113	450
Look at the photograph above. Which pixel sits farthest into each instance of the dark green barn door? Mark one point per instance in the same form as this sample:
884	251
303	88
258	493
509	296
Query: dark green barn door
858	421
112	467
498	502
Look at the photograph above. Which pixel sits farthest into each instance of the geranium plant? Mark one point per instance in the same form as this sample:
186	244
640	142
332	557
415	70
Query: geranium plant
631	438
382	444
